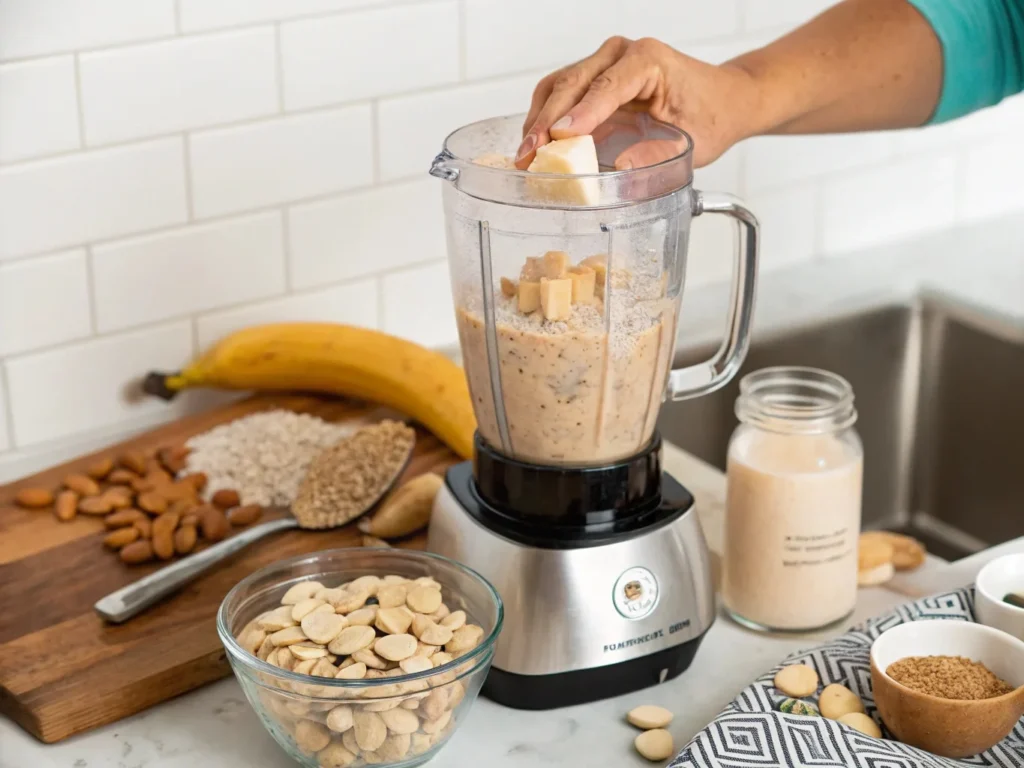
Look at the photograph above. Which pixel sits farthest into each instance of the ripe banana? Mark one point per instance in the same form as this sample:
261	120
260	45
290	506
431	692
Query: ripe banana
341	360
577	156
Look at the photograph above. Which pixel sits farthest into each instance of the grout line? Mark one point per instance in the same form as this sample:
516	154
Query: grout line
210	220
462	40
289	278
270	116
90	281
193	318
375	140
8	406
243	27
80	104
380	302
279	68
177	17
186	156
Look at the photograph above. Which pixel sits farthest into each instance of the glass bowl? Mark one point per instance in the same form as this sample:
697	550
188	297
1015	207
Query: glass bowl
325	722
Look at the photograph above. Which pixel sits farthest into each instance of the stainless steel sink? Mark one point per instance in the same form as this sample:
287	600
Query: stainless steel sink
940	393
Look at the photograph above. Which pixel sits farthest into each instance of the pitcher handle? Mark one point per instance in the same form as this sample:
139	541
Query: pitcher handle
705	377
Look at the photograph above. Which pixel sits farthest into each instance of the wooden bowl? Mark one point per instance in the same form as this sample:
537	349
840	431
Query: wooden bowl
948	727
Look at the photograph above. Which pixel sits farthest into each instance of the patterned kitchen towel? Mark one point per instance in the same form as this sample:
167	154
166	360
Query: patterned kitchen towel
751	732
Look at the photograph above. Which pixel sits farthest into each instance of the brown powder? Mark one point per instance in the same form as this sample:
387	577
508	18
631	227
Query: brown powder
948	677
345	480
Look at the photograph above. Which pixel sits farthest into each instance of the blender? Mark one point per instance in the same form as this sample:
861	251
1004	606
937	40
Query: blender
567	293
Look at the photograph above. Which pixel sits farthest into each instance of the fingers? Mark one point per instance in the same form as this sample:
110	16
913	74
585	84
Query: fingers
558	92
634	76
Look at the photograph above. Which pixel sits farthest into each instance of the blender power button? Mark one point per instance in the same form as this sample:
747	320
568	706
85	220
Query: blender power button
636	593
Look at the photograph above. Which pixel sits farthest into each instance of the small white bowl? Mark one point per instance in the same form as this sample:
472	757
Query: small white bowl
948	727
1003	575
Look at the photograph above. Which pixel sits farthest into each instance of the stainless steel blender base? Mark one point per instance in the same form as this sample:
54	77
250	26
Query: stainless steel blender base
584	622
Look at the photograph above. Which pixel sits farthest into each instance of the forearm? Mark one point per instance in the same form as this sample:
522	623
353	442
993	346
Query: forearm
861	65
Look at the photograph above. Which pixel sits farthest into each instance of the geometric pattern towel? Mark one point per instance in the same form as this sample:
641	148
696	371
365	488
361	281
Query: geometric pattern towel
752	733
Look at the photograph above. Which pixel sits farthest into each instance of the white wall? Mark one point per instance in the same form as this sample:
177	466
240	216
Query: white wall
171	170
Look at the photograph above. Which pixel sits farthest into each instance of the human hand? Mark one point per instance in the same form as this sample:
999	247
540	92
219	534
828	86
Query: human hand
713	104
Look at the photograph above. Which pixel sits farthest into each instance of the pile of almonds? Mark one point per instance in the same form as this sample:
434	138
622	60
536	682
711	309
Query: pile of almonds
150	511
370	628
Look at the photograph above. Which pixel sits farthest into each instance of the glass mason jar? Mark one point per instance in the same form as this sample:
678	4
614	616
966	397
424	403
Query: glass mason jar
793	501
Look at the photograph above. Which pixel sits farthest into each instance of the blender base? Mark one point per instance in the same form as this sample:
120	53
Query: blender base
590	611
566	689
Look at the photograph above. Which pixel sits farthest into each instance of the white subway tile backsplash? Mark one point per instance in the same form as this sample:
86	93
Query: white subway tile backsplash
871	206
5	434
503	37
38	108
366	232
277	161
351	304
338	59
787	216
188	270
723	175
37	27
710	254
412	129
43	301
95	384
418	305
993	175
759	14
65	201
773	161
212	14
168	86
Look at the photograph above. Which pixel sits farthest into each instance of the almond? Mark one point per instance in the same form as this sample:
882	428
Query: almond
144	526
140	551
198	480
133	461
179	491
215	526
181	506
100	469
191	518
66	506
173	458
33	498
81	484
122	518
185	539
122	537
95	505
118	496
225	498
244	515
152	502
163	535
121	477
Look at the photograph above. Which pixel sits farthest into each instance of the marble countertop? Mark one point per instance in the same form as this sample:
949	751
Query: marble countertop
215	727
980	265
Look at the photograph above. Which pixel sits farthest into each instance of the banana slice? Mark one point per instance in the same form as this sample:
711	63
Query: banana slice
575	156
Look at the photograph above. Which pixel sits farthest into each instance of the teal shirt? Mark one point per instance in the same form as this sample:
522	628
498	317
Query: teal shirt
982	52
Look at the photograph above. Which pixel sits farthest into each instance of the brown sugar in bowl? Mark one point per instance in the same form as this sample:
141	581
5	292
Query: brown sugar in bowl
948	727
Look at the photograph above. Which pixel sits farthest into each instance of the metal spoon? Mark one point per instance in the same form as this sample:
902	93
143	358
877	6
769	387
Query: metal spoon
129	601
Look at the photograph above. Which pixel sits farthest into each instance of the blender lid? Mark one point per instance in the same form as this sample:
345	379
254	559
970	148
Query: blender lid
502	135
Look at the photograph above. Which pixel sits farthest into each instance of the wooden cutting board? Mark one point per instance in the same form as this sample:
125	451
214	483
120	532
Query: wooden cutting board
62	669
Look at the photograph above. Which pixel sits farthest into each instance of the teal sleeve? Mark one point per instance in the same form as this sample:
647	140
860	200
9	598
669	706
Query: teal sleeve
982	52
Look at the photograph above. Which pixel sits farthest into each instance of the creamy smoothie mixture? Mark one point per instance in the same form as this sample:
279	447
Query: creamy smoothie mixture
580	388
792	522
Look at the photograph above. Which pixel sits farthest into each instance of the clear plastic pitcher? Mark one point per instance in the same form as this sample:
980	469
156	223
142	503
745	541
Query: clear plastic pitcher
567	290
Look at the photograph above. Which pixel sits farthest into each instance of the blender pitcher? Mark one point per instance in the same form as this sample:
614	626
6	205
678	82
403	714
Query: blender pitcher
567	290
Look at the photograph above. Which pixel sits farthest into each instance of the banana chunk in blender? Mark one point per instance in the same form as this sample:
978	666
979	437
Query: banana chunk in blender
556	298
529	296
555	264
583	282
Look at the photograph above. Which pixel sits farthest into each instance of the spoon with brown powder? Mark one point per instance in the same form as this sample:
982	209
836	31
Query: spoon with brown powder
342	483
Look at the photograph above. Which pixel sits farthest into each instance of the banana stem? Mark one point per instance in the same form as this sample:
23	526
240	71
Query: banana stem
163	385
